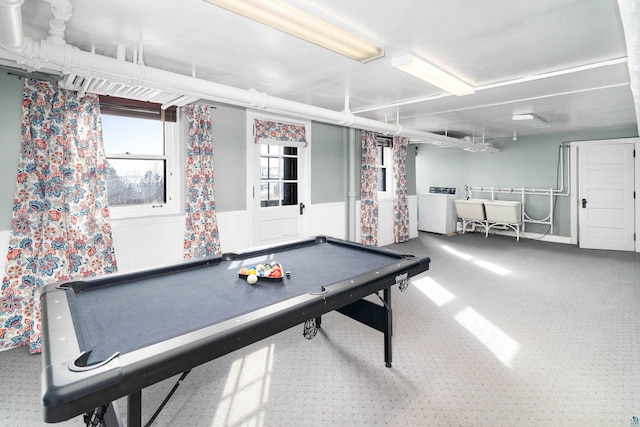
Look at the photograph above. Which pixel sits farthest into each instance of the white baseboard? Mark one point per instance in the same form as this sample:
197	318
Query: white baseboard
524	235
546	238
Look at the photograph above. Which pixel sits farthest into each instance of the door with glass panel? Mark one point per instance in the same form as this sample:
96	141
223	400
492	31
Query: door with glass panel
279	192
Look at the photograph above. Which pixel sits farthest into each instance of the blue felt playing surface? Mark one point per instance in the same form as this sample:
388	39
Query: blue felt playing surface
132	315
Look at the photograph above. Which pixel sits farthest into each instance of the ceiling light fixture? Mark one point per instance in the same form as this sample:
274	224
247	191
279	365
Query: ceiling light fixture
528	117
294	21
417	67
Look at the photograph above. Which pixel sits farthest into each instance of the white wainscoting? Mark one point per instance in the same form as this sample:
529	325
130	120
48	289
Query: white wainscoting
413	216
139	244
4	248
235	230
151	242
385	220
327	219
144	243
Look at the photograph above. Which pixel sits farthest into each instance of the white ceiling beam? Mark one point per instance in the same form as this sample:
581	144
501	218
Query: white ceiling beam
630	16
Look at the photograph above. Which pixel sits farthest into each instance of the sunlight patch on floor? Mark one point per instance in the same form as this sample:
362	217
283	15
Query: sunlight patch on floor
492	267
246	391
434	291
497	341
480	263
459	254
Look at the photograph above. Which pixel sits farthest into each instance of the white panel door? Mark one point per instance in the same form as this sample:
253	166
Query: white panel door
605	196
279	193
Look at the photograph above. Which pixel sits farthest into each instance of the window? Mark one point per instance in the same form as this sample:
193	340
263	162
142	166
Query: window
278	175
384	163
136	161
141	159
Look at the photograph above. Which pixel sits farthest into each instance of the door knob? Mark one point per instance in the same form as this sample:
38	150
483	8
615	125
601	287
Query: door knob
584	203
302	206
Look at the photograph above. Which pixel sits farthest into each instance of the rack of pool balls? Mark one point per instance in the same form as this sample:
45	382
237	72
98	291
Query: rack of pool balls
268	271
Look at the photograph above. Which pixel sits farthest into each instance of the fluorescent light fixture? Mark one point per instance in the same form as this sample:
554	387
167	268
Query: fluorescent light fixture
423	70
529	118
293	21
519	117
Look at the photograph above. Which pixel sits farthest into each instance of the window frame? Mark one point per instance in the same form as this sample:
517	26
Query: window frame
171	157
281	180
385	163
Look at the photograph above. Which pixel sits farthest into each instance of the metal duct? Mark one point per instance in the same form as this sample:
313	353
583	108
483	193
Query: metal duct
630	16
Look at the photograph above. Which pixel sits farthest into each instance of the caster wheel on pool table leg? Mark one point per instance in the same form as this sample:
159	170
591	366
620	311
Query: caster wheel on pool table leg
310	328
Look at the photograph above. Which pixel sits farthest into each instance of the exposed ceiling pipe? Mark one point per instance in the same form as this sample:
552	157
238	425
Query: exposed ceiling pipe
51	55
11	34
61	10
630	16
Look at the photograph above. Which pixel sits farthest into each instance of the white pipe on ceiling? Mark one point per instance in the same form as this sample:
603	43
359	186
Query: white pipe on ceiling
11	34
54	55
630	16
61	10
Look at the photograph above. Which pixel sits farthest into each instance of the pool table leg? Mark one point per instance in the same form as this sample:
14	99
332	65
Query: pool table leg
111	418
134	411
376	316
388	332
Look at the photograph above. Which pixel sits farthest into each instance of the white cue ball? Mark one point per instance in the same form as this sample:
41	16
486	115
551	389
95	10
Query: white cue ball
252	279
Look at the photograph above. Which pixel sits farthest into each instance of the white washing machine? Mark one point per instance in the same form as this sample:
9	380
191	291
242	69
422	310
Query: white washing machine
437	211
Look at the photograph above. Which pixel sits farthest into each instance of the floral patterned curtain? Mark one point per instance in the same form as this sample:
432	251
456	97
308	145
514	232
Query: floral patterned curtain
400	199
201	237
369	189
60	228
275	132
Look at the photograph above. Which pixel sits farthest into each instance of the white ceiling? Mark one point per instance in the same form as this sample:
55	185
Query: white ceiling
482	42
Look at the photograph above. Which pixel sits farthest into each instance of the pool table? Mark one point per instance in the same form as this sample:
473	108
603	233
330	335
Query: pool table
111	337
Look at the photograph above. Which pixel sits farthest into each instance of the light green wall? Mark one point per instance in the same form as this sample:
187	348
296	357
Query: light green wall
328	163
328	160
529	162
10	123
229	157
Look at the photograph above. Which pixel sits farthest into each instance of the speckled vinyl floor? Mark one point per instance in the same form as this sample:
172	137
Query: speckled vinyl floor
497	333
